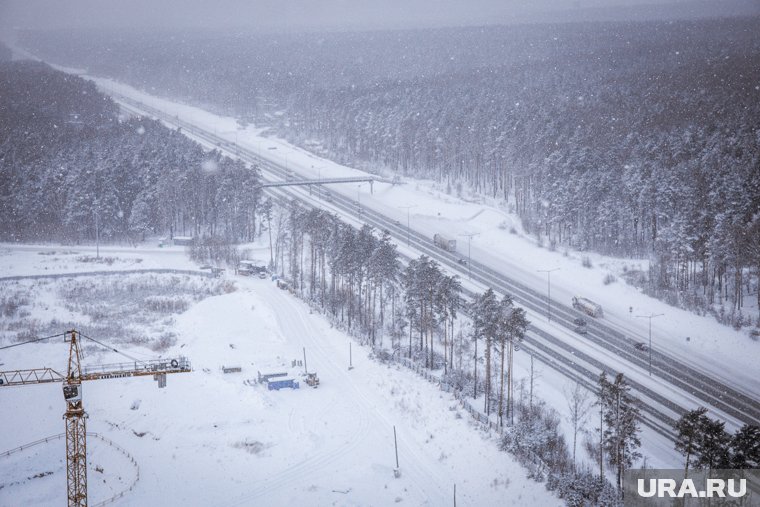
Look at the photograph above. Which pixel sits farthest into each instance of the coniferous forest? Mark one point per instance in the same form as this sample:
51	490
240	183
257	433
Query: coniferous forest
637	139
71	168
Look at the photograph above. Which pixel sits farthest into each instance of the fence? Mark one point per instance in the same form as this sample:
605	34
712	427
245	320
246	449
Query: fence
485	422
113	272
89	435
535	464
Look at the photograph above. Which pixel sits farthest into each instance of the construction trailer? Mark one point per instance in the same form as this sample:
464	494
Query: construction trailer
275	384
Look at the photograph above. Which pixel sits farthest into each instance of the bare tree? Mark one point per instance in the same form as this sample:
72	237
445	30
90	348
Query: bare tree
579	404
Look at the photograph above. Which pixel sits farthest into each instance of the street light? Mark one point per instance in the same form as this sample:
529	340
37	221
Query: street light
650	317
319	184
408	207
469	257
549	298
97	232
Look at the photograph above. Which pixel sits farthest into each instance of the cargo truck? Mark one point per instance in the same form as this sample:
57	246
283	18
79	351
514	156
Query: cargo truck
587	306
450	245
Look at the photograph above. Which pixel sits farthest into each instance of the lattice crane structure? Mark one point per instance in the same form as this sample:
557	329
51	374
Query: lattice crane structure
75	416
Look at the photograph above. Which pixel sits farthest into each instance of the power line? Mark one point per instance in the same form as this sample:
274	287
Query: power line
32	341
109	347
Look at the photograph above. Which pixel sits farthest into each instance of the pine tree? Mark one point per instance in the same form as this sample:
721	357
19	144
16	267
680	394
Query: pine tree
621	431
690	429
714	446
745	447
485	316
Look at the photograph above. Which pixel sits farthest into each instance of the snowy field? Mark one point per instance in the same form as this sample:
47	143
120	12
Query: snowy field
210	438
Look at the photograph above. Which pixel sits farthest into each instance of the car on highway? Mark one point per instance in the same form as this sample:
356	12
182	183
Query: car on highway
580	326
641	346
463	262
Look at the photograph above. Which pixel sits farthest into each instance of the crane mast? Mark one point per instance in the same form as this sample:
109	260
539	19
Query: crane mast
75	417
76	428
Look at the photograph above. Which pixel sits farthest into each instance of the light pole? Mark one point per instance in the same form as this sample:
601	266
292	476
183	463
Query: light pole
549	277
408	207
469	237
97	233
319	186
650	317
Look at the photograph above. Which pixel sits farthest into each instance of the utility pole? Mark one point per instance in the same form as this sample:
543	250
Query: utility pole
469	237
408	207
650	317
97	234
549	276
395	443
350	357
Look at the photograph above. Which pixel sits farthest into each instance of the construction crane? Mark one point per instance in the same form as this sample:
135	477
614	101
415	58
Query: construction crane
75	416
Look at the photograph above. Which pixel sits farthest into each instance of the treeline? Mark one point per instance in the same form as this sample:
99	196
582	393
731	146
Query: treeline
706	445
633	139
72	168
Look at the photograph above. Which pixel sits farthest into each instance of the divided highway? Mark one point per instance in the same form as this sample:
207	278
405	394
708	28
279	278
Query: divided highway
659	411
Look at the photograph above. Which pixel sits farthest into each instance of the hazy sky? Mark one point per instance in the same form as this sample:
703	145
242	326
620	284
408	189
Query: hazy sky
322	14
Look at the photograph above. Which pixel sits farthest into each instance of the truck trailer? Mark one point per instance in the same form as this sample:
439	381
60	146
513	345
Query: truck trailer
587	306
450	245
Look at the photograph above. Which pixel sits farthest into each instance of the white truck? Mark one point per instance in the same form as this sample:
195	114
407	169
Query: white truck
587	306
450	245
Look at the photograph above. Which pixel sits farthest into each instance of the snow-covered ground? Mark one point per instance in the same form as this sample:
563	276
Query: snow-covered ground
209	438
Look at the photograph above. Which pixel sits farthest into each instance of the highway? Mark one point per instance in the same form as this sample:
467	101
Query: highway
674	378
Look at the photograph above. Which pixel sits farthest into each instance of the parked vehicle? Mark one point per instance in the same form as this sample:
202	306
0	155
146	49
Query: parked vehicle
312	379
245	268
250	268
580	326
587	306
450	245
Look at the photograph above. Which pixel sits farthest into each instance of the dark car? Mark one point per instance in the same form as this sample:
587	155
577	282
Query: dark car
641	346
580	326
463	262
